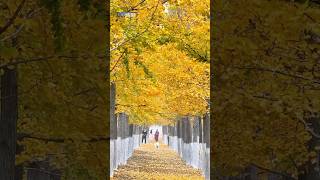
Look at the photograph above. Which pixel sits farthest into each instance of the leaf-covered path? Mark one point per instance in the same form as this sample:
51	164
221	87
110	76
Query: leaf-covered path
148	163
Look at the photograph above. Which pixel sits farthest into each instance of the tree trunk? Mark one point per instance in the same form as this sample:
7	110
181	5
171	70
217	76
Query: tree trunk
42	170
8	124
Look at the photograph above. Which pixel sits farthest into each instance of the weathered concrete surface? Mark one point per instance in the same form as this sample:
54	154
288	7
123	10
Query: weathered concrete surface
126	140
190	138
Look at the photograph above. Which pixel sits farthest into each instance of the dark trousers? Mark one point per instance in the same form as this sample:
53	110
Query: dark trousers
145	139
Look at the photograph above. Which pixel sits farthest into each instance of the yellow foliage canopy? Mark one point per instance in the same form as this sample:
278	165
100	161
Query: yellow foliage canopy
159	59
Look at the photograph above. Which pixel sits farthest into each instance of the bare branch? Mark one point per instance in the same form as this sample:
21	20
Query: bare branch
139	34
118	60
13	34
134	7
278	72
84	91
19	29
22	136
127	105
287	176
42	170
39	59
11	20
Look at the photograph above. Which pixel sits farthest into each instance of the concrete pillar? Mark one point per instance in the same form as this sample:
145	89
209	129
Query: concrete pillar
179	131
188	130
176	139
206	128
122	120
206	137
188	140
200	130
195	129
113	130
195	142
113	123
165	134
131	143
126	138
183	136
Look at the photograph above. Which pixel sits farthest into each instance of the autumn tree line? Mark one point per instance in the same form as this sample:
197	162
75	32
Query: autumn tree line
265	89
54	89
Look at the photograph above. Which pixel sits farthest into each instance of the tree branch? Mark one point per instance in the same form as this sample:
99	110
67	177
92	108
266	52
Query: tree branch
84	91
118	60
66	57
42	170
11	20
127	105
309	129
274	172
278	72
139	34
19	29
134	7
22	136
201	58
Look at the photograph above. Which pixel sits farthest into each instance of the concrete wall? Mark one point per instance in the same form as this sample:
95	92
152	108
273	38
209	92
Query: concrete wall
124	140
190	138
124	137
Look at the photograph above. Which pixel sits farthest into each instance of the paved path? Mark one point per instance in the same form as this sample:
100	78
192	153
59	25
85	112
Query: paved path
148	163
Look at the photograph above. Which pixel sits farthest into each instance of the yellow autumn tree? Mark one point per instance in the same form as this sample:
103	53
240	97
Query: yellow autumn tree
266	88
57	51
160	59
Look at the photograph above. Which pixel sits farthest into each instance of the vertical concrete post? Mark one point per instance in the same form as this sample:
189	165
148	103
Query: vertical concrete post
182	126
164	134
180	138
196	144
131	143
189	130
123	136
176	137
126	138
137	136
113	130
113	124
140	136
206	126
196	129
200	130
188	137
170	136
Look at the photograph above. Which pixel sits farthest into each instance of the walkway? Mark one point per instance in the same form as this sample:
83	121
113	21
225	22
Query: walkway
148	163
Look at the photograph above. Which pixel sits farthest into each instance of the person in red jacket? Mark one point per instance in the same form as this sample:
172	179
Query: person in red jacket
156	137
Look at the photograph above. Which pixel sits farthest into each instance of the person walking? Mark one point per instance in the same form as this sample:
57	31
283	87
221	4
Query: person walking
144	136
156	138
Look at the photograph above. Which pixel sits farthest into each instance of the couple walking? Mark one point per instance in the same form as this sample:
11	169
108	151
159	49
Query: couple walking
156	137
